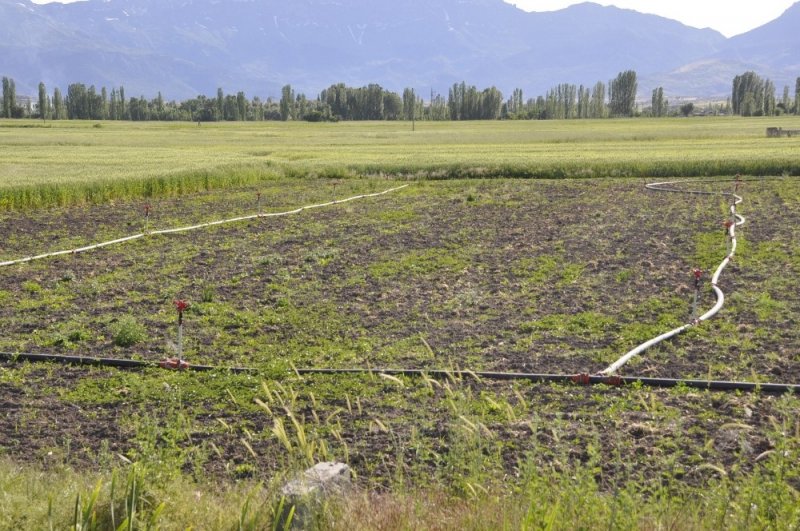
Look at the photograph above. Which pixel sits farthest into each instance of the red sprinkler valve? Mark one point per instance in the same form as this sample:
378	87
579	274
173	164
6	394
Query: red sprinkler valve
698	275
181	306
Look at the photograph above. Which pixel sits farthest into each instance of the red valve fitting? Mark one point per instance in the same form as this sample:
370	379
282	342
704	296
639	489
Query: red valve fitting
582	379
175	364
727	224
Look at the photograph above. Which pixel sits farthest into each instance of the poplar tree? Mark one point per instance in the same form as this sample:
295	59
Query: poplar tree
797	96
287	102
9	98
409	104
747	98
42	101
241	104
658	104
58	105
786	102
623	94
220	104
597	107
769	98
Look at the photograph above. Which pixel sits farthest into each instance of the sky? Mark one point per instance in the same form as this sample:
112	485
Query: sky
727	17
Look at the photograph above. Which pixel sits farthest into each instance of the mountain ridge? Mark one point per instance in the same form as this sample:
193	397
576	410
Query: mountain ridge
187	47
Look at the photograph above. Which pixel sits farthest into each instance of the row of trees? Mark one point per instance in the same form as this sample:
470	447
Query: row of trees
751	96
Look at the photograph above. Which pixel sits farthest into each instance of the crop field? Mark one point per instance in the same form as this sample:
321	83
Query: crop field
514	275
74	162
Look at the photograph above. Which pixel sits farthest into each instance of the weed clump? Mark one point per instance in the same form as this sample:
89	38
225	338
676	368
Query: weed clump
128	331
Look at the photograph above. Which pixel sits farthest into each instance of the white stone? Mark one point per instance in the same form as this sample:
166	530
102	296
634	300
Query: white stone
308	492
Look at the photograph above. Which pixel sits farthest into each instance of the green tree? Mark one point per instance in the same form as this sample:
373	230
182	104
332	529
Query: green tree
687	108
241	105
392	106
769	98
77	102
659	105
159	107
786	103
515	105
797	96
43	106
287	102
584	102
123	109
409	104
220	104
597	107
58	105
623	94
9	98
747	97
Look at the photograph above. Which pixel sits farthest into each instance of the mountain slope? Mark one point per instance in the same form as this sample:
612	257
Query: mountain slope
187	47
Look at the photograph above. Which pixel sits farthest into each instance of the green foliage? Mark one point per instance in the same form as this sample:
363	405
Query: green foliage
127	331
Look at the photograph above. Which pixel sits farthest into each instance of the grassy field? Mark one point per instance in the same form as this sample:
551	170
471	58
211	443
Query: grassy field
481	274
68	162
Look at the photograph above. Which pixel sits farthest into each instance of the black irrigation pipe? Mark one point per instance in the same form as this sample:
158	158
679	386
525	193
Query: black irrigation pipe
581	379
114	362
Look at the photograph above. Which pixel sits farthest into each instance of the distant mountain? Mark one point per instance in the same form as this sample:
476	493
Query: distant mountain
188	47
772	51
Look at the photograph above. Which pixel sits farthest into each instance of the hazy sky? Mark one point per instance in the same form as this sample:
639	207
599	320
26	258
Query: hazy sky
727	17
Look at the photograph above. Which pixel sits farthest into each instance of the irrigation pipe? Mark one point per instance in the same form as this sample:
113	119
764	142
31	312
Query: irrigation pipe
581	379
194	227
736	220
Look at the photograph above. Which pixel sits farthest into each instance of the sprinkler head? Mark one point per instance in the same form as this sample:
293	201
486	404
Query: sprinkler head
698	274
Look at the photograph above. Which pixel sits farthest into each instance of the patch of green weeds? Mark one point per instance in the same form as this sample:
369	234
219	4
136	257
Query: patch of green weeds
623	276
586	325
419	263
127	331
31	287
768	309
548	270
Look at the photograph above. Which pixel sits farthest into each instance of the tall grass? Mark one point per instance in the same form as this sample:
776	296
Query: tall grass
52	194
35	498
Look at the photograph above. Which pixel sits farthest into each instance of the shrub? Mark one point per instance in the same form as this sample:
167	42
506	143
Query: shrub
128	331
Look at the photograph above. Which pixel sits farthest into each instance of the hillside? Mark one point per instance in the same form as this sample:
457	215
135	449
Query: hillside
186	47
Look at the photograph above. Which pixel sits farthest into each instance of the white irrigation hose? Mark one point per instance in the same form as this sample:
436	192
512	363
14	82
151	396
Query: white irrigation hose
193	227
738	220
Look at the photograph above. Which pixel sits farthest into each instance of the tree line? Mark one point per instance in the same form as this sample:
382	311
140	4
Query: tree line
751	96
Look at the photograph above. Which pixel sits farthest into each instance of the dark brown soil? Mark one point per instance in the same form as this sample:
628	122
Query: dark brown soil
474	270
